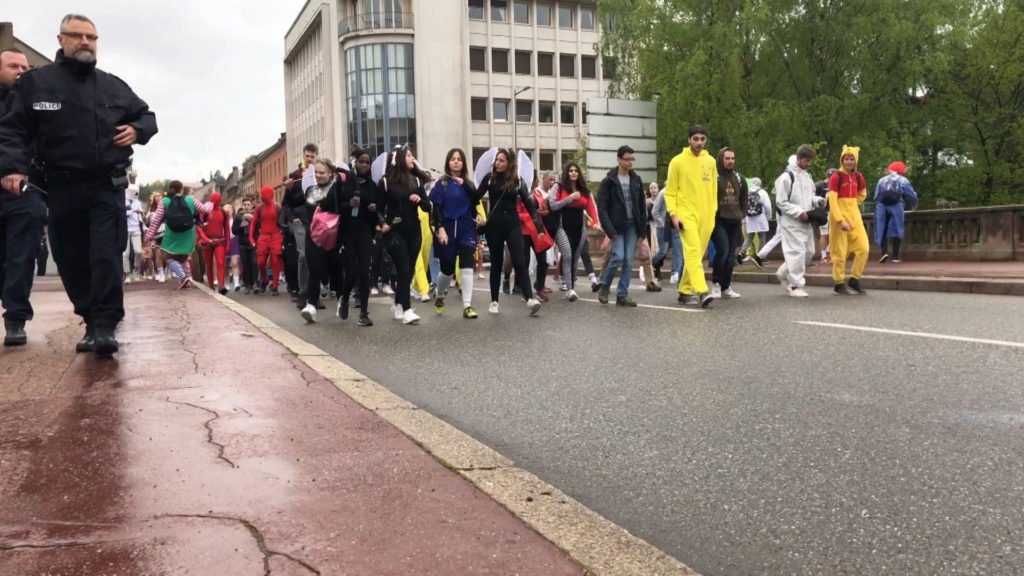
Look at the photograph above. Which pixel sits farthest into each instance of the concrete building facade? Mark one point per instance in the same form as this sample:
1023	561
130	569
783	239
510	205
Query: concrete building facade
437	74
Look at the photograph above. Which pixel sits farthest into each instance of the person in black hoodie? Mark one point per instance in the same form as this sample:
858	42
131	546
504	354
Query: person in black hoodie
622	212
733	197
357	199
504	189
400	193
240	228
298	221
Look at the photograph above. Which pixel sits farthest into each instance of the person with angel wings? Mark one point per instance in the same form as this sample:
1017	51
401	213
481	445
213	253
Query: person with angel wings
401	192
506	180
454	219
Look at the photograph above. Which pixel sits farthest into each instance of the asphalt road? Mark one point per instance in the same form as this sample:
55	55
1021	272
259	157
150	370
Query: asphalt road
740	440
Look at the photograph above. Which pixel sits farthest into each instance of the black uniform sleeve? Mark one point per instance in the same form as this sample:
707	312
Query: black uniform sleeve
141	118
424	201
15	130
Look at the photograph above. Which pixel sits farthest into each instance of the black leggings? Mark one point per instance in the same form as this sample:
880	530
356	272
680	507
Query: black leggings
323	266
465	255
403	243
502	229
358	239
542	261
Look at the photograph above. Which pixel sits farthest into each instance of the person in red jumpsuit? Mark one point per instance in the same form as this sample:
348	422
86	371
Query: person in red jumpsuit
267	238
213	240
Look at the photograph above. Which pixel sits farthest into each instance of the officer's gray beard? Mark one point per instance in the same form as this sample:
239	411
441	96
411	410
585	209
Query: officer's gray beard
84	56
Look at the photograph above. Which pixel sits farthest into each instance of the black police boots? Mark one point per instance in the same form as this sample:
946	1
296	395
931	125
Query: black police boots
15	333
88	342
104	342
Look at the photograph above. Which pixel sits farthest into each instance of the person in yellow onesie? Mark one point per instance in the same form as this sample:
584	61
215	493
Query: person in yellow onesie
420	284
849	239
691	200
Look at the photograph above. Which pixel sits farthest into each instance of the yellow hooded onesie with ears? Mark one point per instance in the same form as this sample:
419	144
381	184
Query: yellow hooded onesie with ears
846	191
691	194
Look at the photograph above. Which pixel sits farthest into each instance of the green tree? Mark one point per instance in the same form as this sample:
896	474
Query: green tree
145	190
765	76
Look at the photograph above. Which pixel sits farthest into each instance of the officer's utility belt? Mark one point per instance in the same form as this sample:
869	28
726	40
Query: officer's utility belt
116	175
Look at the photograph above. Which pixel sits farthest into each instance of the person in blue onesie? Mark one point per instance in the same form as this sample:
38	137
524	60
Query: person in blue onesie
454	220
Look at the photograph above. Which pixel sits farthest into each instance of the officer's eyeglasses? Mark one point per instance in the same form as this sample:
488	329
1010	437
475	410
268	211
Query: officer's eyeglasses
79	36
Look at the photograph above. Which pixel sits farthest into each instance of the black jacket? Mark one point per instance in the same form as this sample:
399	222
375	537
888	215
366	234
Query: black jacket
341	194
70	110
241	232
4	91
394	205
611	205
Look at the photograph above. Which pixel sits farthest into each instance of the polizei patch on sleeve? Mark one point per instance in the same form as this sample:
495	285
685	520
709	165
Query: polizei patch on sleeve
46	106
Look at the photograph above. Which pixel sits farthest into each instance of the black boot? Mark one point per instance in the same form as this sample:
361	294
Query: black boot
88	342
364	320
842	290
854	284
343	311
15	333
105	343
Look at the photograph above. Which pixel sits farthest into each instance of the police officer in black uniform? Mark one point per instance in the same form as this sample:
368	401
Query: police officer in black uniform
21	224
83	122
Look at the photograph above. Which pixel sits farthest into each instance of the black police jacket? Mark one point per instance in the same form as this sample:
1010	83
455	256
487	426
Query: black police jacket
70	110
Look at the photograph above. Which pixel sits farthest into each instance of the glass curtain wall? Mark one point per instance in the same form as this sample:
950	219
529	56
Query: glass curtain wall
381	96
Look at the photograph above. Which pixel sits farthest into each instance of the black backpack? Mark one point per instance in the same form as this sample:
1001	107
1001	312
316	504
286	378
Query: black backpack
177	216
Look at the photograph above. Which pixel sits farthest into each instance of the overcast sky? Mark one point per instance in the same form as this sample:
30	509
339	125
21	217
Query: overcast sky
210	69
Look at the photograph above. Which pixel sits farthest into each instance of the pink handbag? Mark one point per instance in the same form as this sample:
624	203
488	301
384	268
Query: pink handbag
323	229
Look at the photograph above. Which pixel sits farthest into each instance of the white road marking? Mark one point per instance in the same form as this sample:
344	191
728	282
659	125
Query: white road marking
917	334
611	303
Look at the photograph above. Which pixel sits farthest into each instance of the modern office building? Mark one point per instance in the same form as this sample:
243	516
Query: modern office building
438	74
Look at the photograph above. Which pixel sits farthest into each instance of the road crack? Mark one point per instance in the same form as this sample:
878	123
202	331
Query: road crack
70	544
257	536
209	430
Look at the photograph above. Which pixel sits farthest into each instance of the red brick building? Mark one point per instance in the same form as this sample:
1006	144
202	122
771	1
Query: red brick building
271	167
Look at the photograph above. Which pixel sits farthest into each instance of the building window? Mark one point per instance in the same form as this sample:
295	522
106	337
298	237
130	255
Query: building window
524	111
476	9
609	67
477	59
545	64
567	113
499	60
586	18
478	109
521	12
500	110
547	160
567	65
588	66
546	112
381	96
499	11
523	61
566	17
545	13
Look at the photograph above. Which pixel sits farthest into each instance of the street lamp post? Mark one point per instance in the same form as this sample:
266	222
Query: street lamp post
515	119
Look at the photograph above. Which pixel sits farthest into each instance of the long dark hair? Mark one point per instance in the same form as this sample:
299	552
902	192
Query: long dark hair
465	165
511	177
581	182
398	173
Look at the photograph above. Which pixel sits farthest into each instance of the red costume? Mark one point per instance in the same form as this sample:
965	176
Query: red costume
213	239
266	237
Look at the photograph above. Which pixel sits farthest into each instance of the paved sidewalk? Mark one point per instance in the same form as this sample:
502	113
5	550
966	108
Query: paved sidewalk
204	447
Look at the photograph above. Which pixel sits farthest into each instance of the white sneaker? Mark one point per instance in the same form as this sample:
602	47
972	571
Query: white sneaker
374	292
572	296
493	308
410	317
127	279
309	313
425	298
730	293
387	290
674	279
399	313
798	292
161	278
716	291
642	279
414	294
534	305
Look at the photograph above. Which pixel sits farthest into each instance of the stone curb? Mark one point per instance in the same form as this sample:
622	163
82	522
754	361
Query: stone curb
911	283
598	544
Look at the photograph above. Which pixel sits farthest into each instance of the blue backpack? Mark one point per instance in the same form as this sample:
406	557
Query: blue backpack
890	192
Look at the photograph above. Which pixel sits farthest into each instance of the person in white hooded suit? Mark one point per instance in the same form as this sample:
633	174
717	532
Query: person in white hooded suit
794	196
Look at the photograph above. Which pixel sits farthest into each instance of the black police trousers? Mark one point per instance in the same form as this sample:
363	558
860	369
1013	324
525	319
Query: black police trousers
88	236
21	228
